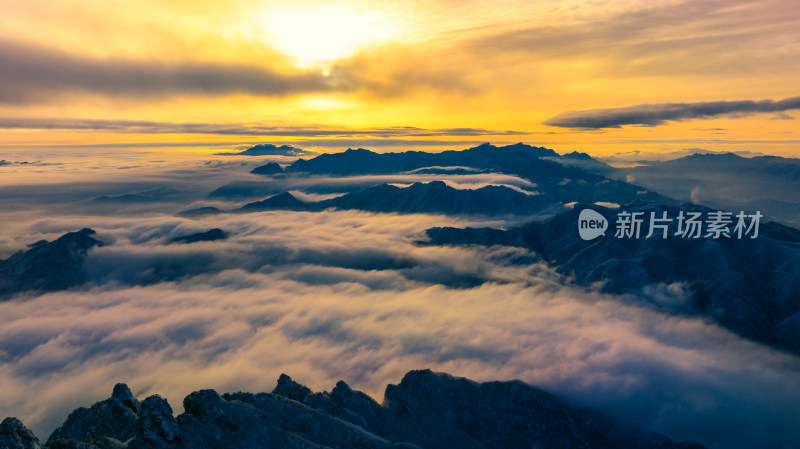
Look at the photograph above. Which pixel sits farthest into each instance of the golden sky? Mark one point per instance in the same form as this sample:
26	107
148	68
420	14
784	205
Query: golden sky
599	77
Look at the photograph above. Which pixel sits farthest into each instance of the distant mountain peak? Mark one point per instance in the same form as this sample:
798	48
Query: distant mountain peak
577	156
726	155
271	168
269	149
281	201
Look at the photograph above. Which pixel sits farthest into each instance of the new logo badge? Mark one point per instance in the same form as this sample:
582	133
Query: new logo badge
591	224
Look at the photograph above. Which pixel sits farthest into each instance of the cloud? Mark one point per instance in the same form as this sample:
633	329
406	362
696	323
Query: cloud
676	39
36	74
244	129
659	114
33	74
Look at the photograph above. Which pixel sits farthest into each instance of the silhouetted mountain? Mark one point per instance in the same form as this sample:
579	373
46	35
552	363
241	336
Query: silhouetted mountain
728	181
268	149
432	197
426	410
557	177
269	169
365	162
281	201
751	286
47	266
208	236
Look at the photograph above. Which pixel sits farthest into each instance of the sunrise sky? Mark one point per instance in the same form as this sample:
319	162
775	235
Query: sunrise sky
198	75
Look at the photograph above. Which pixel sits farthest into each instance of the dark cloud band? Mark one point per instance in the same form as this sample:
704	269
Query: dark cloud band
240	129
658	114
33	73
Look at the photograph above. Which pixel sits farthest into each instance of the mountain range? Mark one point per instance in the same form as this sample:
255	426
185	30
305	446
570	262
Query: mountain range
559	178
749	285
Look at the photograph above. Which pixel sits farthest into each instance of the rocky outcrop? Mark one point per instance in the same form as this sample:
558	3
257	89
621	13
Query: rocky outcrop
116	419
425	410
14	435
157	426
287	387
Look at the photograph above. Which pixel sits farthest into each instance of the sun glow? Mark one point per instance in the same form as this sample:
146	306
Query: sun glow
327	33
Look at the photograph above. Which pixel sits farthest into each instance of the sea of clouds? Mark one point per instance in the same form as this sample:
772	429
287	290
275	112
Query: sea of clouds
355	296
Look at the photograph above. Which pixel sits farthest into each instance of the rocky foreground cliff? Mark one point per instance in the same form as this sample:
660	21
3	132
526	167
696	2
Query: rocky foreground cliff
426	410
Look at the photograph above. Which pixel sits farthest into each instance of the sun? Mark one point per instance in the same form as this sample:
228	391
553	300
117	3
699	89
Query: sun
326	33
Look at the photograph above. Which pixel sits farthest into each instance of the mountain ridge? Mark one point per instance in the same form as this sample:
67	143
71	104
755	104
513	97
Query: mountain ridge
425	410
432	197
561	178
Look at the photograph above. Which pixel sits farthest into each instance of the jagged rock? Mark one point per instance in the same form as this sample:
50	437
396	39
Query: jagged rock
14	435
425	410
289	388
157	425
347	404
244	420
116	417
48	266
123	394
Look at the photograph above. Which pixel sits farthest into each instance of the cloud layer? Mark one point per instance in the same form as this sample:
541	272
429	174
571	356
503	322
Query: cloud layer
658	114
324	296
